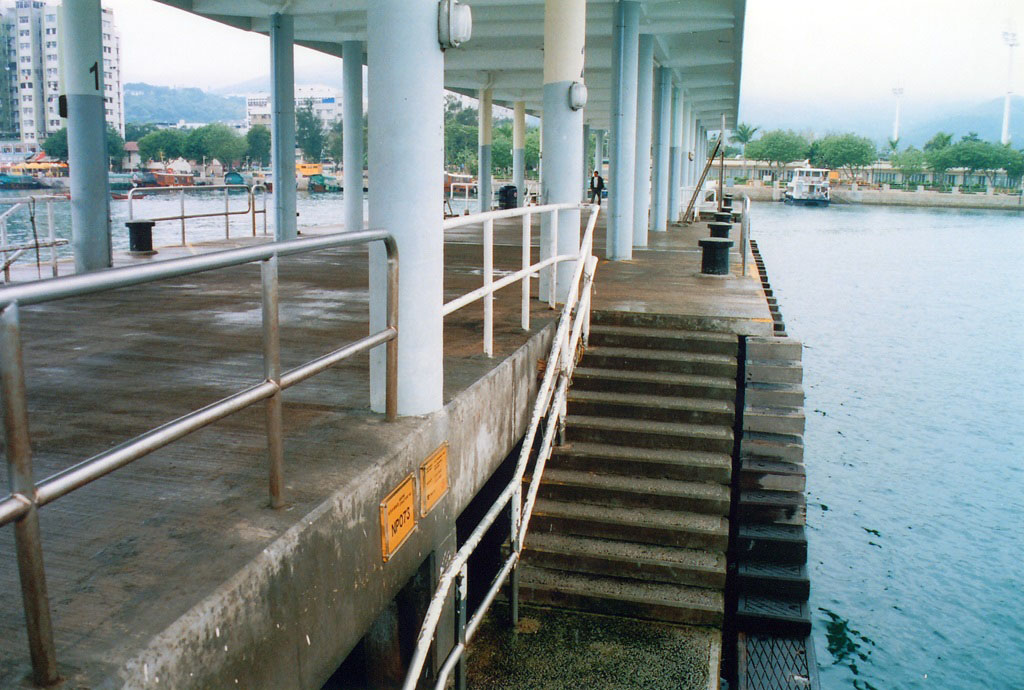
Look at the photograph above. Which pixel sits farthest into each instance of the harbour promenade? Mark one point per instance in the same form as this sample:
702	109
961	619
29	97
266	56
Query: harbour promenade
173	570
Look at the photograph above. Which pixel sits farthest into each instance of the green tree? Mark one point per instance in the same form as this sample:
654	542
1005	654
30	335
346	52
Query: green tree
531	150
310	135
743	135
257	140
336	142
162	145
460	145
115	146
909	162
215	141
847	152
133	131
501	148
938	142
938	161
1014	165
778	147
56	145
980	157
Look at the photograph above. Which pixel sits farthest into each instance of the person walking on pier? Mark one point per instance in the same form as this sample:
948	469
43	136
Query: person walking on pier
596	188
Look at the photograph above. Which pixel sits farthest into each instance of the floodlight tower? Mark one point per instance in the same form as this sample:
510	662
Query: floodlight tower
1010	38
898	93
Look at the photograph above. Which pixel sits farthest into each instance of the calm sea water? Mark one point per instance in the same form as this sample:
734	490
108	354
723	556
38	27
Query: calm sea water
314	210
913	324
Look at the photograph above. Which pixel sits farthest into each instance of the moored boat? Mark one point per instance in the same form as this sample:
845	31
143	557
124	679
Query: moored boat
809	187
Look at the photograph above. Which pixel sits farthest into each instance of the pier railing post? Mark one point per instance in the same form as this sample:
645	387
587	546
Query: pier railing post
488	282
19	476
272	372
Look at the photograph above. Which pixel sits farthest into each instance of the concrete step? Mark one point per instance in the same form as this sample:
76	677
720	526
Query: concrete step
634	492
656	407
763	473
658	463
773	446
672	361
642	433
622	597
779	507
777	543
774	420
774	395
682	322
603	335
645	525
786	580
647	562
761	348
654	383
773	615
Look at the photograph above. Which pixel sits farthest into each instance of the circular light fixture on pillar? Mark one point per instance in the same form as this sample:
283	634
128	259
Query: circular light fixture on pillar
577	95
454	23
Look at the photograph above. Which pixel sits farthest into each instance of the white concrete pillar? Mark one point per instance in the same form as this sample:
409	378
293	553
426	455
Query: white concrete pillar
406	155
352	131
644	117
675	155
565	23
622	172
82	55
687	145
484	137
282	122
587	173
663	139
519	151
691	148
599	151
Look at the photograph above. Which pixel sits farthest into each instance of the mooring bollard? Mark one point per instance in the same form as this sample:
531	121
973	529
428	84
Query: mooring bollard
714	260
720	229
140	237
722	217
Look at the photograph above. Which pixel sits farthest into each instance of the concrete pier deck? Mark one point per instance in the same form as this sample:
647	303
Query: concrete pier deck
172	571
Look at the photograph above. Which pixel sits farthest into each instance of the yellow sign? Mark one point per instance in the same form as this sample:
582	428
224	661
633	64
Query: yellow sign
433	479
397	516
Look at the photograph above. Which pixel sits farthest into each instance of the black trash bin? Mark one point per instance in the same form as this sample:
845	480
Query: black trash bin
140	236
508	197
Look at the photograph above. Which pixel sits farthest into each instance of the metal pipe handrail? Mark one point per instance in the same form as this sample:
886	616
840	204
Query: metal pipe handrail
52	241
27	496
573	325
528	270
250	209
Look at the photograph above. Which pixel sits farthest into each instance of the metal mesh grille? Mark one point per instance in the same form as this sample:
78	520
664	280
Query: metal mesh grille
776	663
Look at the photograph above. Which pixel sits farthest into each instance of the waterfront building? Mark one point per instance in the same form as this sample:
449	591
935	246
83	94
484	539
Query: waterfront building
29	107
326	102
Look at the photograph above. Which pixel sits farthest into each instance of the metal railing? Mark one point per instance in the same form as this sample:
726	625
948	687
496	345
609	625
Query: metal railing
461	185
250	209
13	252
27	495
548	257
550	404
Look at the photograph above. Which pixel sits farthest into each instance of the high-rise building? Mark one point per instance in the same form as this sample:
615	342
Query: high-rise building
325	100
30	39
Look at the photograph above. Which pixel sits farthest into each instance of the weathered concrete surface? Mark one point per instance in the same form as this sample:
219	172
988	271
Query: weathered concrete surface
554	649
172	572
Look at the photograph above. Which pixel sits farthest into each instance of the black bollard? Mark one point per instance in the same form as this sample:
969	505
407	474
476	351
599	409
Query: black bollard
722	217
720	229
715	258
140	236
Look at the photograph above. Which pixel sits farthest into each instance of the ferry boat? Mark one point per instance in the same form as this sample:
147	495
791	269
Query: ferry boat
809	187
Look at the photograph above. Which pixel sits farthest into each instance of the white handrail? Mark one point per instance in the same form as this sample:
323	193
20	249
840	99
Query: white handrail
250	209
461	185
573	326
18	250
548	258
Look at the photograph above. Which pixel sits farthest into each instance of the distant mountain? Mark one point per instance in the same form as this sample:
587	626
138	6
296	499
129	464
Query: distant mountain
148	103
303	77
984	118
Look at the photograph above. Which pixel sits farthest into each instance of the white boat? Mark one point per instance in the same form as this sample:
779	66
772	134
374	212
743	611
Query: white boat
809	187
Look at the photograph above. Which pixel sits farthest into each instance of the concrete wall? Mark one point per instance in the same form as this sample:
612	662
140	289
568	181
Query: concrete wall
897	198
293	614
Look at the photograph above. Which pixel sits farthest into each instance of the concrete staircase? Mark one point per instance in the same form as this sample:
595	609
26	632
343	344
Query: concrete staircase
632	513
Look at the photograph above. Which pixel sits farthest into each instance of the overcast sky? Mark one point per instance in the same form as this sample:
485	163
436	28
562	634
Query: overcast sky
840	51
